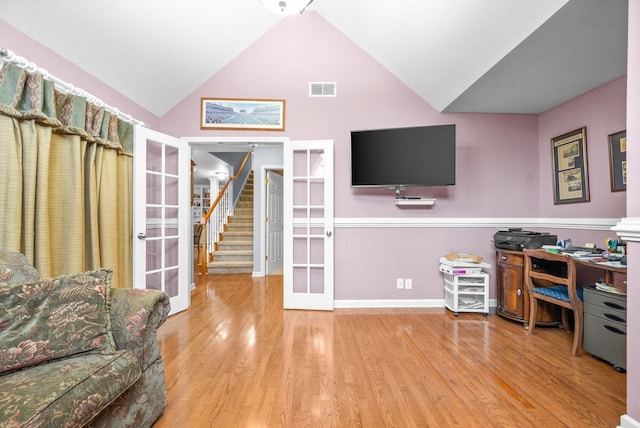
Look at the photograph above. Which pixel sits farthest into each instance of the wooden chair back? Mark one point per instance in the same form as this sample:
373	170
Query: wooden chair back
552	278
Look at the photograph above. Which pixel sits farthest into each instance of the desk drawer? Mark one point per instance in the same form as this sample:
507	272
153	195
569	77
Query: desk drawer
606	313
604	299
606	340
510	259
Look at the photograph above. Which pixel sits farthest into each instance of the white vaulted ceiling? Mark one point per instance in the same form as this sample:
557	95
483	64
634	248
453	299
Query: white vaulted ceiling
508	56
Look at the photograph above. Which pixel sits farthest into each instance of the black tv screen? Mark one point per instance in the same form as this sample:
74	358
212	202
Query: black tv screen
402	157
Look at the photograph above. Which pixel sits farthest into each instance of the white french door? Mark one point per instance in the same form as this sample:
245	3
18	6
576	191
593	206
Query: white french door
308	232
161	217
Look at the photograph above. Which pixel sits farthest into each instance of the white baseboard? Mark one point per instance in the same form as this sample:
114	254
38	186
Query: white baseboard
395	303
627	421
389	303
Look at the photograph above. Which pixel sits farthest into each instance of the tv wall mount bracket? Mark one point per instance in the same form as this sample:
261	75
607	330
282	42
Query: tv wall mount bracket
410	200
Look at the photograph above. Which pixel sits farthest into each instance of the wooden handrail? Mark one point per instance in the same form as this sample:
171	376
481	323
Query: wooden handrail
205	218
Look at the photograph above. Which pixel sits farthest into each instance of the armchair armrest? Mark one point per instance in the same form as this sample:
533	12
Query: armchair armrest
136	316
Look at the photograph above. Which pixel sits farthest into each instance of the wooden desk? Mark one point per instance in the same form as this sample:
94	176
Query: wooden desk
614	273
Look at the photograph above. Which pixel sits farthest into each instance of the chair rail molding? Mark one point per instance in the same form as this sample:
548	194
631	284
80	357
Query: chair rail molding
628	229
480	222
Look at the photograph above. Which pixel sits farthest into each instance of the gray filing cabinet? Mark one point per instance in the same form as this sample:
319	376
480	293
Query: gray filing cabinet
605	326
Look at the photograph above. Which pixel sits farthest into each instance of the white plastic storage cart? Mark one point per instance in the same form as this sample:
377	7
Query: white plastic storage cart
467	293
466	288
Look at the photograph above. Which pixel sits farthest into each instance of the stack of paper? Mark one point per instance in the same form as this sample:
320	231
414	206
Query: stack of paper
610	288
455	267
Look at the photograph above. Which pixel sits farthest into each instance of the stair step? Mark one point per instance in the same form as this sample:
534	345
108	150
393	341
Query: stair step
233	255
237	236
235	245
241	219
238	227
240	211
226	267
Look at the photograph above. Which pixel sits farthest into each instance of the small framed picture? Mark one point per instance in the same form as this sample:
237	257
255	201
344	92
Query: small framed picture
242	114
618	160
570	174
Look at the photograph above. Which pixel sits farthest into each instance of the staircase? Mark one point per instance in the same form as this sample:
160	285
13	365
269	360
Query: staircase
234	252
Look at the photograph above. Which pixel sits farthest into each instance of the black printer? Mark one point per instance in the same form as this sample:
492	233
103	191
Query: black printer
518	239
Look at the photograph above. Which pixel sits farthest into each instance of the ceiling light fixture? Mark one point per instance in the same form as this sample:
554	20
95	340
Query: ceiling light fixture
286	7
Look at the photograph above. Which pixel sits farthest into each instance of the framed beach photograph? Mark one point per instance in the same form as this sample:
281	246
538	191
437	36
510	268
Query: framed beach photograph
570	174
618	160
242	114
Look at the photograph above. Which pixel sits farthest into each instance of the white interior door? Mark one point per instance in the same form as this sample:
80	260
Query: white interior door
308	232
161	217
275	221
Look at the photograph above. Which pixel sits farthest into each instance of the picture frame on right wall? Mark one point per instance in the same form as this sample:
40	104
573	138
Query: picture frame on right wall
570	174
618	160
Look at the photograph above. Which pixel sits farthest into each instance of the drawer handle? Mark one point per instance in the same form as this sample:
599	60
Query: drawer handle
615	318
614	305
615	330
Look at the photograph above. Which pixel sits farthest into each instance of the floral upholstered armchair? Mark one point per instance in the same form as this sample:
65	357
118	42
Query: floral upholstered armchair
74	352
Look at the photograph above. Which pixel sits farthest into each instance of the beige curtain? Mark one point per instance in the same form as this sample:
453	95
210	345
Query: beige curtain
65	179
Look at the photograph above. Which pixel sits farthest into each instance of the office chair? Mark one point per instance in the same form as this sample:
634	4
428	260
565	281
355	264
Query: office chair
552	278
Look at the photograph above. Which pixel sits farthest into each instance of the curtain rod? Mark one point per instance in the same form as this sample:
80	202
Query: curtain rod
9	56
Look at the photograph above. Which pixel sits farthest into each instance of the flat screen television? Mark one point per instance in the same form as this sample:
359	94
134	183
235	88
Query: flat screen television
402	157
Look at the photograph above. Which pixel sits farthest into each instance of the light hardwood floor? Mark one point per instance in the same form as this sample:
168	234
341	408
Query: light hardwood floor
237	359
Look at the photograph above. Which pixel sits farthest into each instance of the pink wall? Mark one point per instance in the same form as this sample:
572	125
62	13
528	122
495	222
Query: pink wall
497	154
498	166
502	161
490	147
602	111
22	45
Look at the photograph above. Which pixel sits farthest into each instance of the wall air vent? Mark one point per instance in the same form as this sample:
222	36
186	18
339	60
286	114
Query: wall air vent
322	89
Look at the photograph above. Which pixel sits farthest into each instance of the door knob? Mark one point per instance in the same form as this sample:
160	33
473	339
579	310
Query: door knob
142	235
328	234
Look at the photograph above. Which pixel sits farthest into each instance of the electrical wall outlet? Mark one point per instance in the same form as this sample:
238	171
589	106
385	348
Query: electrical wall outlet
399	283
408	283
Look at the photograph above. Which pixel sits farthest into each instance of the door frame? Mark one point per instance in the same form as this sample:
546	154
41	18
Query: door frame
258	221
